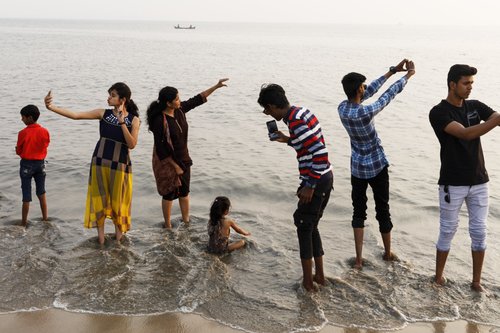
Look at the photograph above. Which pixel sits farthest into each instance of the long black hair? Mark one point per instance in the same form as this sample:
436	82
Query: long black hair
219	207
166	94
124	91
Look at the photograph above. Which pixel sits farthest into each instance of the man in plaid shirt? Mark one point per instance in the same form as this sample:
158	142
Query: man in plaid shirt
368	161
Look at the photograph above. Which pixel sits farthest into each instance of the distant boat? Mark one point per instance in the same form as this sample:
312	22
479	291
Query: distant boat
186	27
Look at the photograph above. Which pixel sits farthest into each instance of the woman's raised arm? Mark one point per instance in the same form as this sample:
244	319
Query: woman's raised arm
93	114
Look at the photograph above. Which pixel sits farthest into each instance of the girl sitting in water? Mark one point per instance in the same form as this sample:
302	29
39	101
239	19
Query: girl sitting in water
219	228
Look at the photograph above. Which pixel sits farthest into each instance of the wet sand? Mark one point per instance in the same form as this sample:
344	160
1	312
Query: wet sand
59	321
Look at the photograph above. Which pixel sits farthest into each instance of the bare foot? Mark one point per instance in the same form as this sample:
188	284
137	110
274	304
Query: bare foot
441	281
319	279
119	236
167	225
358	264
24	224
390	257
476	286
309	287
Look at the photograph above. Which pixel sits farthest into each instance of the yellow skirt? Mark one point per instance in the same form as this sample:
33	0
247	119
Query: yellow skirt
109	194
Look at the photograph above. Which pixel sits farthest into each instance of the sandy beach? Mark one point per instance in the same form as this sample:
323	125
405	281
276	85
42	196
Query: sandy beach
59	321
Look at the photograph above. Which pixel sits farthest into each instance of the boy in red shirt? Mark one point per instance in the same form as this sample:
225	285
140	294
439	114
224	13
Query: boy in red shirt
32	143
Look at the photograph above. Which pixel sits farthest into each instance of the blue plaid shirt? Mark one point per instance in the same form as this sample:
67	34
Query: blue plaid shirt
367	155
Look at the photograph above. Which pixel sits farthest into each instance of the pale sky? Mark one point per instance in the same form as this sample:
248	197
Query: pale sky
440	12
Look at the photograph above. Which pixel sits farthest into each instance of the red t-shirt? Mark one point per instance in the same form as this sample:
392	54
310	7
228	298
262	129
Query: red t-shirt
32	142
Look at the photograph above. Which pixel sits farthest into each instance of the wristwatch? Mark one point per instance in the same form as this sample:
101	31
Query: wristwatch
393	70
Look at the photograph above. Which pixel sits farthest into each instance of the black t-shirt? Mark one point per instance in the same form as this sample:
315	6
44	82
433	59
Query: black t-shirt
462	161
178	128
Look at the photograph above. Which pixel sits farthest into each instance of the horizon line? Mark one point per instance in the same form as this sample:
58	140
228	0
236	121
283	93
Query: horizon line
245	22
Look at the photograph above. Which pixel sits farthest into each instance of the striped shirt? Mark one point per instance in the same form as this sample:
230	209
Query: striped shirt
308	141
367	154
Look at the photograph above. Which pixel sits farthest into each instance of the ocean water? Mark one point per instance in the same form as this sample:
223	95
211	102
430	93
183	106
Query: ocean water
58	264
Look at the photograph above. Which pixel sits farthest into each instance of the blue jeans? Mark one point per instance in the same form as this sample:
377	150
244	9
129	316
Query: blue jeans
451	199
32	169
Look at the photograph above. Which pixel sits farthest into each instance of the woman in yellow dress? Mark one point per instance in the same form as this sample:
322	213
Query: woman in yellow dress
110	181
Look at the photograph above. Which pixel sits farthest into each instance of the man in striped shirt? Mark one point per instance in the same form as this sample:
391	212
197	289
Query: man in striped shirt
368	161
316	176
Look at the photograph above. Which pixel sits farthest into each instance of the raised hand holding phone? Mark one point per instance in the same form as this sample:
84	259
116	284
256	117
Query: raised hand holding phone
272	129
48	99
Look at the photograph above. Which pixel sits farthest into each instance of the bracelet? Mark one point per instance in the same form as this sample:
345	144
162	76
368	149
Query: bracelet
393	69
121	123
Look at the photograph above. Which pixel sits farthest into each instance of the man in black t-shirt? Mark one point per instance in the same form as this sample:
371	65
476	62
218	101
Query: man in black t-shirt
459	124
